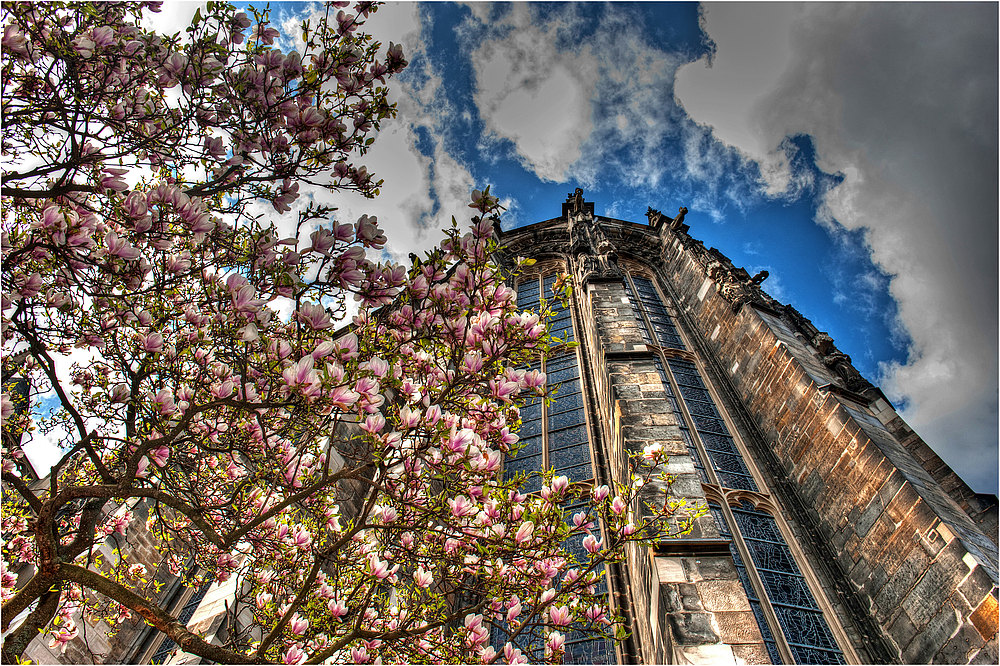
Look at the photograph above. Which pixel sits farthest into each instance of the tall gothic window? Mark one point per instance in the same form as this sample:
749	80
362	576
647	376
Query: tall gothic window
778	593
555	436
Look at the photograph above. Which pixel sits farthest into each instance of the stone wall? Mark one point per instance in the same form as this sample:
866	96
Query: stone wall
925	571
685	596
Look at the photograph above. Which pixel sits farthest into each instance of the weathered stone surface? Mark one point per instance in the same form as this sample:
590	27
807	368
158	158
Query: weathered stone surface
984	619
752	653
888	530
932	638
693	628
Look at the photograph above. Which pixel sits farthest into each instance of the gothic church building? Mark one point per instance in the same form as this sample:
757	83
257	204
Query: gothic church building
833	534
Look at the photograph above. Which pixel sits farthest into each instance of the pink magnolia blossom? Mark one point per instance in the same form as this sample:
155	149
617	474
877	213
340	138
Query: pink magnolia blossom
62	637
337	608
152	343
461	506
119	247
298	625
159	456
560	616
591	543
6	407
422	578
293	655
524	532
513	655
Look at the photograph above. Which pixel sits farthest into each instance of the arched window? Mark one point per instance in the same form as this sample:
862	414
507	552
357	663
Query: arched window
798	615
556	437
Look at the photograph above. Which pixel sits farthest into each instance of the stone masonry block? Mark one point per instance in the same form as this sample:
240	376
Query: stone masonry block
738	627
929	641
723	595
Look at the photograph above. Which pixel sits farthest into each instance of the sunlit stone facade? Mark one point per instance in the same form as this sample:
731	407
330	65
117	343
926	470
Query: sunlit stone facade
832	533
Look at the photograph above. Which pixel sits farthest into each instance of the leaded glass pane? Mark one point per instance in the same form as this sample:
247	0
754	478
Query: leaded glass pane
168	645
596	651
693	393
532	485
805	655
561	374
770	556
649	300
527	295
736	481
554	363
560	439
704	423
765	631
570	457
564	419
516	464
565	402
561	312
531	411
756	524
530	446
791	589
804	627
577	473
530	428
568	382
732	470
698	407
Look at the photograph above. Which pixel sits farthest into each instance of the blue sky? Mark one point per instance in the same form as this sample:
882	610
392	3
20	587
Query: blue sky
848	149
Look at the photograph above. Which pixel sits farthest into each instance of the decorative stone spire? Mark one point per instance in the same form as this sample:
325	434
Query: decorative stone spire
593	254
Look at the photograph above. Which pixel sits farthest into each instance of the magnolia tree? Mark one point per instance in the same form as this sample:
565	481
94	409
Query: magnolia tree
342	481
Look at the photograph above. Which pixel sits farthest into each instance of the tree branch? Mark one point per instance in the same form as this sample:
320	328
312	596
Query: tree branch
152	614
15	644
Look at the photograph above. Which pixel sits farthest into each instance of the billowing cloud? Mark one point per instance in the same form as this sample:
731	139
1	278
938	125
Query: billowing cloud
534	93
585	97
902	101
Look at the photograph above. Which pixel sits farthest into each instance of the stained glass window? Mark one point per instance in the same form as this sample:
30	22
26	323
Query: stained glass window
556	436
802	623
800	617
644	299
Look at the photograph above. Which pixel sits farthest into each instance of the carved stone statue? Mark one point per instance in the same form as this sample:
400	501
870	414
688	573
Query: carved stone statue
654	216
679	220
840	364
594	255
576	200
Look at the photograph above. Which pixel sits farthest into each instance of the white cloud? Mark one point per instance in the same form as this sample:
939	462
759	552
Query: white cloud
174	16
522	77
901	99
